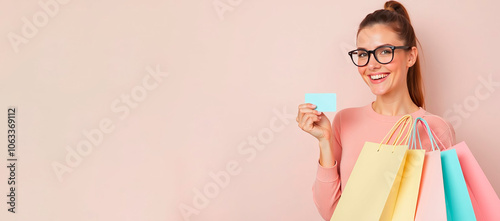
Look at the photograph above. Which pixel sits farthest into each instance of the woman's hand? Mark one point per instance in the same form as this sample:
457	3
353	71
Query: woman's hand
314	122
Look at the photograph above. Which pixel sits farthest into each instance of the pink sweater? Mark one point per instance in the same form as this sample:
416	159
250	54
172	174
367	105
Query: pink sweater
352	127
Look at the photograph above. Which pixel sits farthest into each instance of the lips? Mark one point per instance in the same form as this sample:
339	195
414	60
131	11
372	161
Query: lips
377	78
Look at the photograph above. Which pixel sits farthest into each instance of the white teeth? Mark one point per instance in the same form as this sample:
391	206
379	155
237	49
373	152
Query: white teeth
378	76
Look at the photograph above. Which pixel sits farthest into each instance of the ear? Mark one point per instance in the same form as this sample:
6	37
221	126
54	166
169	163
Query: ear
412	56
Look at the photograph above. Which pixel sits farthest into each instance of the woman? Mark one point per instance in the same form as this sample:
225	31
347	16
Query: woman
387	60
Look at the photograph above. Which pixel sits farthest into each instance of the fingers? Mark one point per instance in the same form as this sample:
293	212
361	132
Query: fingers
312	106
307	121
306	108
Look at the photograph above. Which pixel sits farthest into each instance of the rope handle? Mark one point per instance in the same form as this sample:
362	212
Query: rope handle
407	121
436	137
416	133
405	140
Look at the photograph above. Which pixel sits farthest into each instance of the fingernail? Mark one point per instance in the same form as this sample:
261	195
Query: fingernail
313	105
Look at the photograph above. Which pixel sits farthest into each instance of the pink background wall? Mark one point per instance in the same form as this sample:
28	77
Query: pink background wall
182	90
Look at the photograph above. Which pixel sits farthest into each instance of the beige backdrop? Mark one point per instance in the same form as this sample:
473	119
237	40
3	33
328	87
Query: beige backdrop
131	110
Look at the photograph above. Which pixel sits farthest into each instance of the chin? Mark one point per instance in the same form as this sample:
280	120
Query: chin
381	89
378	91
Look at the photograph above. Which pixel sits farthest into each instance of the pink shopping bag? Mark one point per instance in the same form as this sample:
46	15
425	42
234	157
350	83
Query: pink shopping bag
431	200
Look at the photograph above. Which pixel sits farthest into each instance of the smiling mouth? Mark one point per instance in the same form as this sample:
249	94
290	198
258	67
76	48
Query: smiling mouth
378	76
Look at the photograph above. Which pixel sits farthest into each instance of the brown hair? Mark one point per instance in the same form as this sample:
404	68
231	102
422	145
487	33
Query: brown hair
395	16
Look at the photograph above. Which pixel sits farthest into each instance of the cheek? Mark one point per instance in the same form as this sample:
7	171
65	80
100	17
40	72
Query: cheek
396	65
361	70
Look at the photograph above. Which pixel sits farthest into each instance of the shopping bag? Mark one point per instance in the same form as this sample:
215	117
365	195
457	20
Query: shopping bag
371	190
406	202
410	183
431	203
483	197
458	202
485	201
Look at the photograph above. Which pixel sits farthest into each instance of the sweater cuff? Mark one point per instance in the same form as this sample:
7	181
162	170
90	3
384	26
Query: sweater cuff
327	174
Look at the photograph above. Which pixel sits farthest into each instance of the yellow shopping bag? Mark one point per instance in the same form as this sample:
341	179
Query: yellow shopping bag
372	188
406	202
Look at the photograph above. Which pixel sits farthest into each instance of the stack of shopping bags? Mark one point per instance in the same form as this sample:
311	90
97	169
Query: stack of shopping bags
401	181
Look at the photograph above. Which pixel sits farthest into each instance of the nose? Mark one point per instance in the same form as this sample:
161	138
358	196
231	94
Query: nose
373	63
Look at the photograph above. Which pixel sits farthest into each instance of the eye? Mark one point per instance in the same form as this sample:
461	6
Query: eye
386	51
362	54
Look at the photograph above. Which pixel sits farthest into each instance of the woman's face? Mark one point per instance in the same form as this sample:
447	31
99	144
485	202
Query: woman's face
394	73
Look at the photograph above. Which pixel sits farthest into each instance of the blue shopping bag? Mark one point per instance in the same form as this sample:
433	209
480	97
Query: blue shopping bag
458	203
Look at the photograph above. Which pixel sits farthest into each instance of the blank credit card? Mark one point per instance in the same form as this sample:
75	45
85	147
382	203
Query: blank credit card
325	102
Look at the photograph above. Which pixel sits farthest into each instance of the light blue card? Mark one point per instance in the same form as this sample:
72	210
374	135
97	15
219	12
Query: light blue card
325	102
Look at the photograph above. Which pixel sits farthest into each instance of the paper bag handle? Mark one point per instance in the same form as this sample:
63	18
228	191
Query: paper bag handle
408	123
430	133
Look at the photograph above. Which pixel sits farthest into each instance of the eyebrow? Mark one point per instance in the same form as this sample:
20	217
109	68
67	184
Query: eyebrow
376	47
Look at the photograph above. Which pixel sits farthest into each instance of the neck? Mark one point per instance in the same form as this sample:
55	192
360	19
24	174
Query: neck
394	104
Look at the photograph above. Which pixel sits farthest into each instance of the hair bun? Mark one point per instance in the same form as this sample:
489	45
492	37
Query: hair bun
397	7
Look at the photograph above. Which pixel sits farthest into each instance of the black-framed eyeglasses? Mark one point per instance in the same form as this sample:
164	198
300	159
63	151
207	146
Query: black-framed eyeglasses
383	54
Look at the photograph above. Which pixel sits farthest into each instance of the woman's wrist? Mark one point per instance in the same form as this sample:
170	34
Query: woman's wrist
326	158
324	142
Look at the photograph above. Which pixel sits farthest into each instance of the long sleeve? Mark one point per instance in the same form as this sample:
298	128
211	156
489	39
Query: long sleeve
447	137
327	186
326	190
442	130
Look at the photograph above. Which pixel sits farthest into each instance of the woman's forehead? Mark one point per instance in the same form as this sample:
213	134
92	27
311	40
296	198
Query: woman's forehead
373	36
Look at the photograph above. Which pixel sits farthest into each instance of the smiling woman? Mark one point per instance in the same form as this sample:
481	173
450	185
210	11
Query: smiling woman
387	61
395	73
